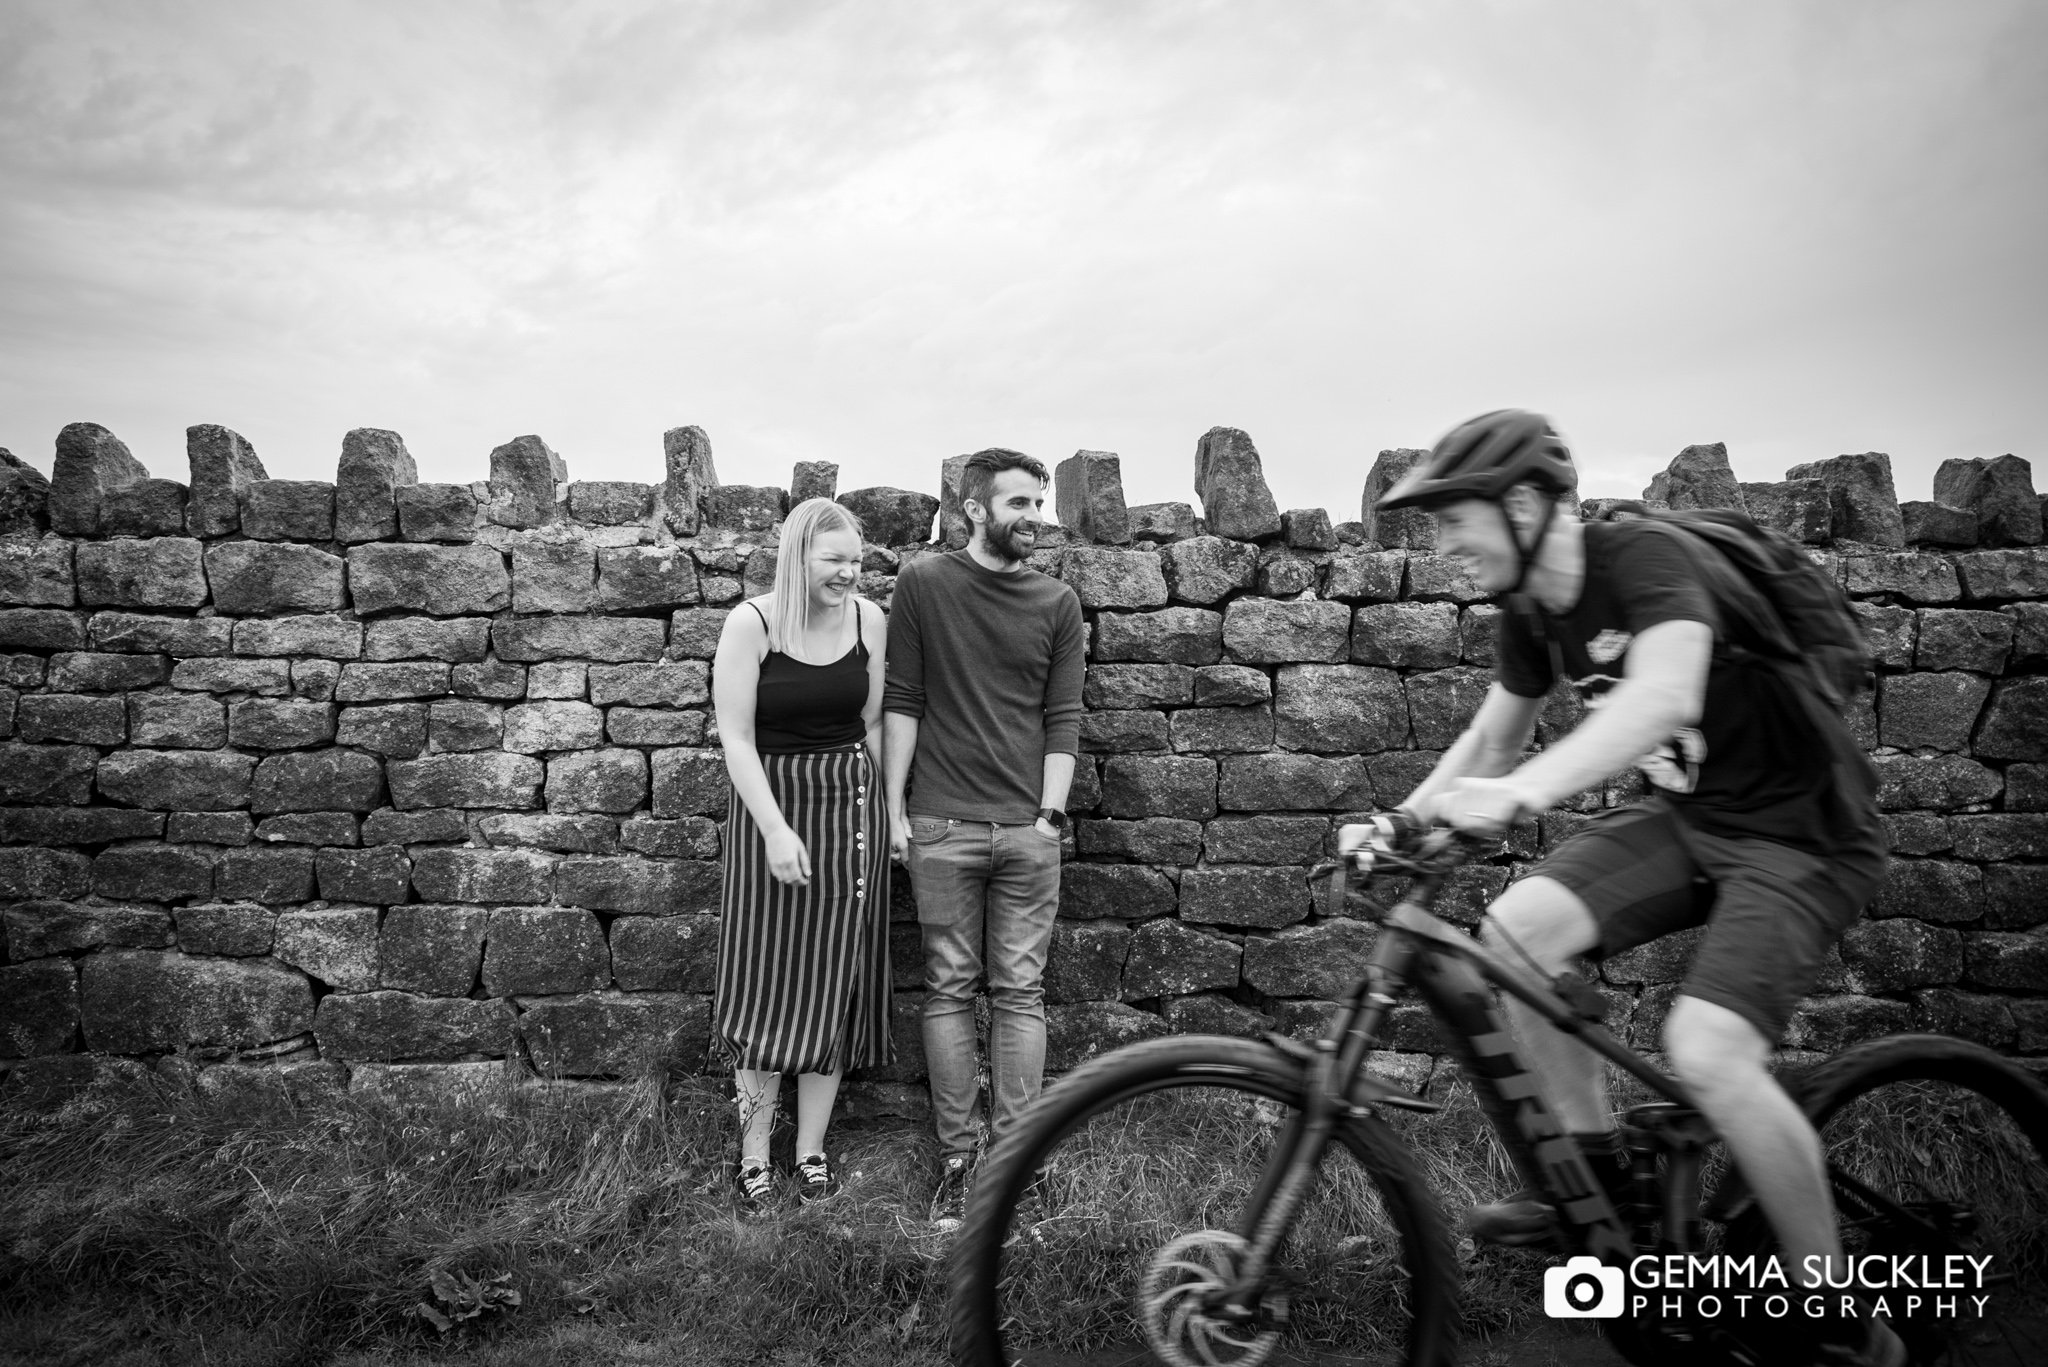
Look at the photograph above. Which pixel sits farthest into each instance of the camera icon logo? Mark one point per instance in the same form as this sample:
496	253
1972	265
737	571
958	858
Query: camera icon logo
1583	1289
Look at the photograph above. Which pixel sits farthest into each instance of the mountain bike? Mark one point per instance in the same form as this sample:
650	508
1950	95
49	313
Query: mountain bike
1213	1200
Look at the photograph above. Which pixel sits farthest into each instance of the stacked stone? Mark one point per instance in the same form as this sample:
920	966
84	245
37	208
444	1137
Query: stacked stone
412	784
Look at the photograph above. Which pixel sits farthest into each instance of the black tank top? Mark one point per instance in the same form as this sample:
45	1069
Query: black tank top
800	707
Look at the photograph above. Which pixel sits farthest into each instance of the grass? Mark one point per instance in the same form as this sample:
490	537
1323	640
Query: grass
142	1222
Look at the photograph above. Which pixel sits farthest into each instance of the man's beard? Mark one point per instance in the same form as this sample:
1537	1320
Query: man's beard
1003	540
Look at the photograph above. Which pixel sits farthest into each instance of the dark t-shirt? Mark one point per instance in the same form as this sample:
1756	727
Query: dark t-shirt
1762	761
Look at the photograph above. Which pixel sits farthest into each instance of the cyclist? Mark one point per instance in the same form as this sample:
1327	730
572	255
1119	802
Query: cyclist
1762	823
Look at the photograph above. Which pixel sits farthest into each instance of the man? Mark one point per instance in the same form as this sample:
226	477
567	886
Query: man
983	700
1763	822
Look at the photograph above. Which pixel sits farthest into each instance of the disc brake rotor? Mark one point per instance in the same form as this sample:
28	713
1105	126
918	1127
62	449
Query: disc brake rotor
1175	1299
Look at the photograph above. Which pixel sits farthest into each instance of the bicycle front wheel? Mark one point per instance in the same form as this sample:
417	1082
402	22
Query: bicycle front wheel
1103	1221
1938	1149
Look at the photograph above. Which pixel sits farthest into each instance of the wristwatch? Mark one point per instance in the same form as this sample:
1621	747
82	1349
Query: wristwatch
1053	817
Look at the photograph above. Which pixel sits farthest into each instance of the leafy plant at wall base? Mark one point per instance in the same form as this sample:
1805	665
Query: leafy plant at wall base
463	1297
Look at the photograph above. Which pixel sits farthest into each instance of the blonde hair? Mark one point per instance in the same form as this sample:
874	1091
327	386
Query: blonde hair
806	522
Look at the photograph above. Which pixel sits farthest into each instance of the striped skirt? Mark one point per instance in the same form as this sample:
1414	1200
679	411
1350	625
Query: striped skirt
803	972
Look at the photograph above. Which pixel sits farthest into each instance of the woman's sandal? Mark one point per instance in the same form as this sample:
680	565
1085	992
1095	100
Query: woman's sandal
815	1179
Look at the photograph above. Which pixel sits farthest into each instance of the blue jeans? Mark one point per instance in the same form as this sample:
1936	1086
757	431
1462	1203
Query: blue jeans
986	897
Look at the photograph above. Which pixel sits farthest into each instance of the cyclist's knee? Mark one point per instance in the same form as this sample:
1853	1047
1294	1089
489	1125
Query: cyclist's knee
1545	919
1710	1046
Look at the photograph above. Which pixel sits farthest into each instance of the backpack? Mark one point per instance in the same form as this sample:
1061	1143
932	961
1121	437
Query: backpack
1779	604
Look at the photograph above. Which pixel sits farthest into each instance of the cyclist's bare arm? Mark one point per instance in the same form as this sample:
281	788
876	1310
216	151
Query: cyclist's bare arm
1491	746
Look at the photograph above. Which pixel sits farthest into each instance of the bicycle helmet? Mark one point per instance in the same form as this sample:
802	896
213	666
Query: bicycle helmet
1484	458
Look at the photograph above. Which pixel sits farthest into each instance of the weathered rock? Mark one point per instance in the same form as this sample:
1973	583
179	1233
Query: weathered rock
456	640
584	638
1308	529
387	1026
337	945
36	929
436	512
2015	896
1344	709
1167	958
1161	523
568	834
1959	638
1221	730
892	517
1941	782
1439	579
2030	632
44	873
816	479
177	722
223	464
1264	897
235	929
760	571
1698	477
650	685
1929	710
275	875
2001	575
1154	840
756	508
1088	492
24	496
1251	783
544	949
610	780
630	578
80	720
148	507
1828	1024
1265	839
1929	890
1999	493
288	510
1188	636
2001	835
1365	576
1177	786
465	875
565	679
160	572
1308	961
379	875
1206	569
1080	1031
1229	686
524	474
265	678
537	727
41	629
1890	633
954	526
1121	891
1893	955
322	634
262	577
317	781
389	827
1405	635
91	462
201	781
2006	960
690	837
1799	508
76	826
1913	577
1917	833
445	581
1113	687
556	574
1862	504
37	571
431	949
1442	703
154	872
1119	732
1085	962
38	1008
616	1035
1409	527
136	1001
1114	579
621	883
488	779
1937	524
374	466
1231	482
1285	575
686	453
1260	631
308	828
652	727
2016	723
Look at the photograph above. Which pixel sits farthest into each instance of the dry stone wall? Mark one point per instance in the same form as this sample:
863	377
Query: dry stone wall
400	786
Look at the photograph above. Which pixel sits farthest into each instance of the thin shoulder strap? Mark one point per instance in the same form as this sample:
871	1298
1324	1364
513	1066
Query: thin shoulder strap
769	630
858	639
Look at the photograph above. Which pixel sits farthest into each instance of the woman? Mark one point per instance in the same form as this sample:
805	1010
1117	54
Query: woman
803	954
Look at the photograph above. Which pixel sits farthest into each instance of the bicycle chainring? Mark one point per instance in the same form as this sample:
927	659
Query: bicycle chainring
1176	1305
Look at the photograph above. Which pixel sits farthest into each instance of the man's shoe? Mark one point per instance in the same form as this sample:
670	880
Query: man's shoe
815	1179
755	1186
949	1201
1521	1220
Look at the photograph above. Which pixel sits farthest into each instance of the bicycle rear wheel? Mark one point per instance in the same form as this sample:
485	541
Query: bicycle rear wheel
1937	1147
1102	1221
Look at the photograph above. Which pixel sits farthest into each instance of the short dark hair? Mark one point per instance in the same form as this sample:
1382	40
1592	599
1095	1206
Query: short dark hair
978	479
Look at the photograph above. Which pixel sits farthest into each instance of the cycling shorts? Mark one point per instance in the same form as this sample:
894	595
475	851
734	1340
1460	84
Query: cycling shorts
1770	910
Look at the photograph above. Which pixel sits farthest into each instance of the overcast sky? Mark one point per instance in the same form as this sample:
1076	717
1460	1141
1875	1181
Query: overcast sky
886	233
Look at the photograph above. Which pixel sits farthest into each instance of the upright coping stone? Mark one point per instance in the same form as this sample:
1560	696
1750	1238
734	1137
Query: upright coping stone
1412	528
224	465
1862	505
374	464
954	526
24	495
1231	482
690	472
1698	477
1999	493
1088	498
813	479
524	473
91	462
